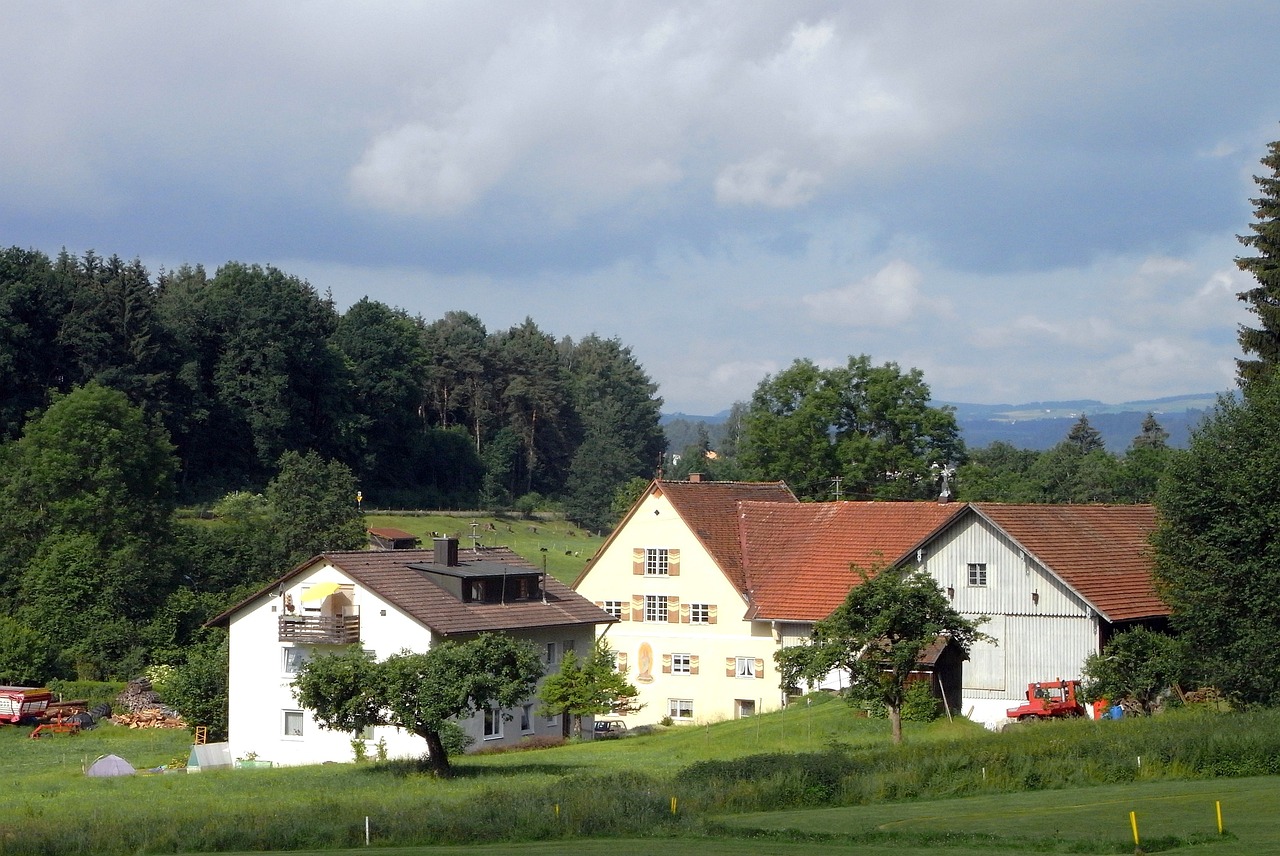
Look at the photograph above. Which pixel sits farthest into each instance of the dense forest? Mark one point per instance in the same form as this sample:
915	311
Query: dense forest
245	365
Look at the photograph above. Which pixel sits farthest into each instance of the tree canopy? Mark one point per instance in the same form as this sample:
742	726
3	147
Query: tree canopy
587	687
877	636
419	692
870	427
1217	557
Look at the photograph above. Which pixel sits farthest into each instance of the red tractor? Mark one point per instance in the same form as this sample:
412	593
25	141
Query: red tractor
1050	700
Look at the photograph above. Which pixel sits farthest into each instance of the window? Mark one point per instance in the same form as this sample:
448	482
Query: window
293	723
699	613
655	607
614	608
745	667
977	573
526	719
492	723
567	647
680	708
551	653
656	561
291	659
681	664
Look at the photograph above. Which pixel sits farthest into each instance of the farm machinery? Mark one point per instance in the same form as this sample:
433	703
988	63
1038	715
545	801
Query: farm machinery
21	703
1049	700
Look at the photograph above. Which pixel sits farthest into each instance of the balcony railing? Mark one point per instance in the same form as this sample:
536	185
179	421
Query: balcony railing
320	629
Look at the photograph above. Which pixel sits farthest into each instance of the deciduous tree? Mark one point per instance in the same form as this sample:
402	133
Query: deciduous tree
877	636
419	692
870	425
1138	665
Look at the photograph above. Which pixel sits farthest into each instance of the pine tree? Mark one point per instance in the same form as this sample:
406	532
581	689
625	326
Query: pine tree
1263	342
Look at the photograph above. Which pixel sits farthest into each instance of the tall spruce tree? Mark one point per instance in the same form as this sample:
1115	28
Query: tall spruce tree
1261	345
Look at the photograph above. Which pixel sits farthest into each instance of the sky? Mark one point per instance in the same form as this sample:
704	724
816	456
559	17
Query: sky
1025	201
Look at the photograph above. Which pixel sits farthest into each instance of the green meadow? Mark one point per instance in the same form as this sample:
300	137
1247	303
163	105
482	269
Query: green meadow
811	779
541	538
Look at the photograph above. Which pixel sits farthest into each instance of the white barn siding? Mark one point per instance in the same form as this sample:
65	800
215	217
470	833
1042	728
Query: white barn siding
1043	630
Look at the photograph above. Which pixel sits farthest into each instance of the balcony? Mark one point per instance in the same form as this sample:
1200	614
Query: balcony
320	629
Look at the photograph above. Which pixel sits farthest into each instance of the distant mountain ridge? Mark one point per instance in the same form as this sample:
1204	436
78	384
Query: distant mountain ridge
1035	425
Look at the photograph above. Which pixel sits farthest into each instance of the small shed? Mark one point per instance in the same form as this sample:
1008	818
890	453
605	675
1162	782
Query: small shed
110	765
209	756
386	538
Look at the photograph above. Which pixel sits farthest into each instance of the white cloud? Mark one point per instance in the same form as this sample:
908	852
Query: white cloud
766	180
889	297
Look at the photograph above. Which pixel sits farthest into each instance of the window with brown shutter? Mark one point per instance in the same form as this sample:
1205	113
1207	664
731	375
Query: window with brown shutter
637	561
673	562
759	668
620	661
693	664
637	607
730	667
666	664
673	609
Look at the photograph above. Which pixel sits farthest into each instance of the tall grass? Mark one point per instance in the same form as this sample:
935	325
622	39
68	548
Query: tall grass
666	784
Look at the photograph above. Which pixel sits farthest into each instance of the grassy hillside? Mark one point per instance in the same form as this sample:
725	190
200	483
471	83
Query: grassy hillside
562	546
831	781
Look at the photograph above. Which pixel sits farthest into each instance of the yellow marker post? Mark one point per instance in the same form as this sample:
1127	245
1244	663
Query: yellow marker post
1218	804
673	805
1133	821
557	811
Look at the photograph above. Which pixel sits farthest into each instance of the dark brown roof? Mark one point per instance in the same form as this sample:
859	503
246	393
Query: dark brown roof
1101	551
798	557
388	574
392	534
710	510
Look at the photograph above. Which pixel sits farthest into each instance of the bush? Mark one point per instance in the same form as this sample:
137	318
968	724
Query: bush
919	703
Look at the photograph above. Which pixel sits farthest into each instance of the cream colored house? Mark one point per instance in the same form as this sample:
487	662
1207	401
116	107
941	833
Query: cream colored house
386	601
708	580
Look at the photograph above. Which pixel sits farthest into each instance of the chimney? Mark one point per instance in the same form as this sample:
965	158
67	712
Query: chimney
446	551
695	477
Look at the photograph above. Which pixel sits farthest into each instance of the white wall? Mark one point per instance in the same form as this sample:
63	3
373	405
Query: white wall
261	692
1040	638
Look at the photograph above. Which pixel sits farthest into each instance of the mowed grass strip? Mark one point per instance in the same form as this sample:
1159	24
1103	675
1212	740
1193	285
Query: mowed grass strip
1168	813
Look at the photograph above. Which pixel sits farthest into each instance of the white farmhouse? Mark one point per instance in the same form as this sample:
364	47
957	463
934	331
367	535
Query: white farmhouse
387	601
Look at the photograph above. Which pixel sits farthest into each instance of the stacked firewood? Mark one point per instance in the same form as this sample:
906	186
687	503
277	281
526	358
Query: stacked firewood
139	706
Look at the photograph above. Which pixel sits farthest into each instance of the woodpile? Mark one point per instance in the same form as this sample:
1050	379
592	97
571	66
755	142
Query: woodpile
149	718
140	707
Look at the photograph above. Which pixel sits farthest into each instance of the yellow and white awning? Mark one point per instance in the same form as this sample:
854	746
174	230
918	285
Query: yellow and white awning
319	592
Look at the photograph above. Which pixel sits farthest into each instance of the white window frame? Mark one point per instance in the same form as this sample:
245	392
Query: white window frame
298	719
492	728
977	574
655	609
680	708
744	667
292	657
699	613
614	608
657	562
682	664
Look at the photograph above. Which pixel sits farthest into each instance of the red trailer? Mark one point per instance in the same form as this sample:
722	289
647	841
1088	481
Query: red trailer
19	703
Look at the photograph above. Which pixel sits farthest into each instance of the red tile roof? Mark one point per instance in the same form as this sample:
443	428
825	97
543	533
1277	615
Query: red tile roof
710	510
1101	551
388	574
798	557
